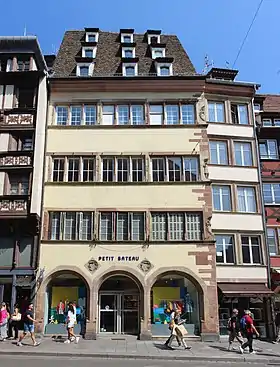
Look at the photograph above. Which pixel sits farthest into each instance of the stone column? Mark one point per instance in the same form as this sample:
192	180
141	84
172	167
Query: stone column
91	327
145	318
210	320
39	309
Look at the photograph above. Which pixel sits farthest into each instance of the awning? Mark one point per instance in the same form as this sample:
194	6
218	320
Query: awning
245	289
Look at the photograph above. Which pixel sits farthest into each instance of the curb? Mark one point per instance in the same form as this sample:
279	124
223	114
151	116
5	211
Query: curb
142	357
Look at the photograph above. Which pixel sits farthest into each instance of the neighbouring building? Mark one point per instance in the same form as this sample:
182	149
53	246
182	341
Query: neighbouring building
23	110
237	220
127	206
267	111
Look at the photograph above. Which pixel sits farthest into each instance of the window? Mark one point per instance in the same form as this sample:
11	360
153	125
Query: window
272	242
187	114
160	52
122	169
173	169
88	52
18	185
224	249
267	122
243	154
153	38
221	198
216	111
175	226
25	245
239	114
156	115
76	115
73	169
90	115
27	143
71	226
251	252
127	38
122	226
7	247
137	115
91	37
84	71
218	152
23	65
172	114
108	169
58	169
123	115
25	97
164	71
246	199
128	169
268	149
271	193
276	122
108	115
130	70
257	107
88	169
128	52
61	115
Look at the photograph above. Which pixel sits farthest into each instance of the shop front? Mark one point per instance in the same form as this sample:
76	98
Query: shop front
254	296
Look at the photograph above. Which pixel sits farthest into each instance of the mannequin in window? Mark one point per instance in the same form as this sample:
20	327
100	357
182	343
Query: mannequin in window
60	308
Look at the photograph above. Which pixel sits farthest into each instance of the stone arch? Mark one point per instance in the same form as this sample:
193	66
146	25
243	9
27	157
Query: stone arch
199	283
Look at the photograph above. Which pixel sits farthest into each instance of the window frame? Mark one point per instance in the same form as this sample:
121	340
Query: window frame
130	65
246	198
242	143
89	48
272	192
216	103
251	250
238	106
224	244
165	66
220	197
115	170
127	35
56	115
275	239
90	67
219	151
125	49
95	34
183	170
157	49
61	159
269	155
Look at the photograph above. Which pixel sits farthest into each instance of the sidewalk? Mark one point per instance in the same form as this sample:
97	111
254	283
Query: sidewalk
131	348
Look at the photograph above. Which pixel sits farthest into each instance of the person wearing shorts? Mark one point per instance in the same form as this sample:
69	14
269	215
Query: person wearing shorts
70	322
28	326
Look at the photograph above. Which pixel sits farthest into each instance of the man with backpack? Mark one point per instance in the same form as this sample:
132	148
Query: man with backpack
247	325
234	329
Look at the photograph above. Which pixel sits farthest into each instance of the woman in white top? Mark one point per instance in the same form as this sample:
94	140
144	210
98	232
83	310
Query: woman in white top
70	321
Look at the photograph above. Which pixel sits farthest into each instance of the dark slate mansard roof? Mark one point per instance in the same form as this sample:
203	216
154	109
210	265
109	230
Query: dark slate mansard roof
108	55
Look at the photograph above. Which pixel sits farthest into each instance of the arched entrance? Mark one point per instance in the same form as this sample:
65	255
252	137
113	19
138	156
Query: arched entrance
175	291
65	287
119	305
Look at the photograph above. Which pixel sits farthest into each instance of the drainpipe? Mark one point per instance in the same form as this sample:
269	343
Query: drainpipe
268	267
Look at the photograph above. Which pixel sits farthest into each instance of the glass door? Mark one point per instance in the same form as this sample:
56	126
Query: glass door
108	304
129	313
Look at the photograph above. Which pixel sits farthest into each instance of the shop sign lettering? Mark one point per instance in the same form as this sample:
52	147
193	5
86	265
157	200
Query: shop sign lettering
119	258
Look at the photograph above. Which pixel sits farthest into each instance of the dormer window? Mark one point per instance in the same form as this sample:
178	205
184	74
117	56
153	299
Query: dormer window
85	69
92	37
128	52
127	38
130	69
89	52
158	52
164	69
153	38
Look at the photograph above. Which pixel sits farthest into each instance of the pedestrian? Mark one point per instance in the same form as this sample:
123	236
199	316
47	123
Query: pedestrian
28	326
247	324
178	331
70	321
171	326
4	317
14	322
234	329
277	324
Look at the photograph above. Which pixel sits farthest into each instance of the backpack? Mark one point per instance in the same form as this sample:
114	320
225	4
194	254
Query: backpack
229	324
243	323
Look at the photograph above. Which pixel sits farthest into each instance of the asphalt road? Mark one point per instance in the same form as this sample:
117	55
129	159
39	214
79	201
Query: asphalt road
20	361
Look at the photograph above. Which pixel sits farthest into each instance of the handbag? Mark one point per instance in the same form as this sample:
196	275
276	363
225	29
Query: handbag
16	317
181	331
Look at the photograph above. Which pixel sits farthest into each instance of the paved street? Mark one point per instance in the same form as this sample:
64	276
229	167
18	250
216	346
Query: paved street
86	362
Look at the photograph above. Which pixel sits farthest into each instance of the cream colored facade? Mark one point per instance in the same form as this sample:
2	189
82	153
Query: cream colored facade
143	261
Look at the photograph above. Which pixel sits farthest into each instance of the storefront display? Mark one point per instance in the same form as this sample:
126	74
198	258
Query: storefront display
170	294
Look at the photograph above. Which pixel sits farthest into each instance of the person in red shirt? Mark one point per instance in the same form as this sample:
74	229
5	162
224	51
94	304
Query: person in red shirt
249	331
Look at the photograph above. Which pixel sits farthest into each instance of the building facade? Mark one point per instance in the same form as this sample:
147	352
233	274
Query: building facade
267	111
237	222
139	150
23	109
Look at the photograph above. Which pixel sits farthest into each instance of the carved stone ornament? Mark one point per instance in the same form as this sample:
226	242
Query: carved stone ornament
145	265
208	226
92	265
202	113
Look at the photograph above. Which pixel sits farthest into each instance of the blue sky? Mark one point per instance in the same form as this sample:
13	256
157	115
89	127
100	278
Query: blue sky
213	27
